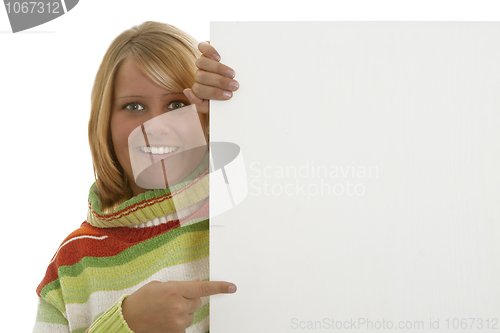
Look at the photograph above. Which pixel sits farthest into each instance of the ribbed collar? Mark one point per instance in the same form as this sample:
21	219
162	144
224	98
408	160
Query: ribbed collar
152	204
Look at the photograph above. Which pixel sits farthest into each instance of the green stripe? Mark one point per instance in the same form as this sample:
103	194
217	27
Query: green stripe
201	314
132	252
78	291
125	256
47	313
78	288
79	330
194	221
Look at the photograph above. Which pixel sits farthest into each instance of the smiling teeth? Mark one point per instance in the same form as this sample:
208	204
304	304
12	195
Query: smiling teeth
158	150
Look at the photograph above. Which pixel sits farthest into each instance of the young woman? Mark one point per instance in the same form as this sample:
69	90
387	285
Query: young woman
135	265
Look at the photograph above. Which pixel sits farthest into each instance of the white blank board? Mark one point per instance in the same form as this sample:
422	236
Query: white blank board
372	156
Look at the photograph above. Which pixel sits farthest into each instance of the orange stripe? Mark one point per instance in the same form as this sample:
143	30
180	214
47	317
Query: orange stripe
119	239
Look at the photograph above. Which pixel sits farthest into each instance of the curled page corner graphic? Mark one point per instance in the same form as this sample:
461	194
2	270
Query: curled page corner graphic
170	151
166	149
228	181
28	14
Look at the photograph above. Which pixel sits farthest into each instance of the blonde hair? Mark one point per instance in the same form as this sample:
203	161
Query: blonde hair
165	54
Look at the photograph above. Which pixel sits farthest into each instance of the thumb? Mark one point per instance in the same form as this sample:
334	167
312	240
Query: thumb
201	104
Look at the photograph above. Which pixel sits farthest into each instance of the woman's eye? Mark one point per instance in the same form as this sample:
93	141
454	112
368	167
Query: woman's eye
177	105
134	107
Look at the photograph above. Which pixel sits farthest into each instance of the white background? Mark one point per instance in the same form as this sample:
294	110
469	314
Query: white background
46	75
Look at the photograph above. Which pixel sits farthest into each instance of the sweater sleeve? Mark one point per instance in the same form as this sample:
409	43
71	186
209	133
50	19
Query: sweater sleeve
111	320
50	320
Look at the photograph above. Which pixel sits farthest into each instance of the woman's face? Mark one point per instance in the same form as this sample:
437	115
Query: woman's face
171	137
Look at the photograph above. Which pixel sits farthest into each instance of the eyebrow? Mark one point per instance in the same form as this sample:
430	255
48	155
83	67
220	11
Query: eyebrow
162	95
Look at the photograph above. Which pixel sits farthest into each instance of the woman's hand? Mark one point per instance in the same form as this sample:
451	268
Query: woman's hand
213	80
168	307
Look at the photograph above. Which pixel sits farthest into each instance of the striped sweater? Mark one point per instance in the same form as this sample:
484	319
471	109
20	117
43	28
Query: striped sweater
112	255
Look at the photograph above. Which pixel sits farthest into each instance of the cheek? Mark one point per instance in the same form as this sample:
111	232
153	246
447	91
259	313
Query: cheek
120	131
192	131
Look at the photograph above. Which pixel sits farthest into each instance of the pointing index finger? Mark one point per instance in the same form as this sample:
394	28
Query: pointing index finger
195	289
208	51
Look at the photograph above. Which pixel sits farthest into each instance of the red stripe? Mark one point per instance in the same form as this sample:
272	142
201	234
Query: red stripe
119	239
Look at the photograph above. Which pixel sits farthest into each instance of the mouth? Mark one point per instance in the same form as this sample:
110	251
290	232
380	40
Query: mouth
158	150
159	153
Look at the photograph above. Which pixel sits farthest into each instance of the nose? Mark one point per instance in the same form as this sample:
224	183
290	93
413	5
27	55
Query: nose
158	124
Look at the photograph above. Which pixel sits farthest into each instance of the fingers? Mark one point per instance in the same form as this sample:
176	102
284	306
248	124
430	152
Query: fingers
210	65
195	302
193	305
201	104
213	80
182	314
209	92
168	306
208	51
195	289
211	84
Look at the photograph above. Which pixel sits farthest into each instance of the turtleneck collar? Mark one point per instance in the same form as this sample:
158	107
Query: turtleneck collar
152	204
